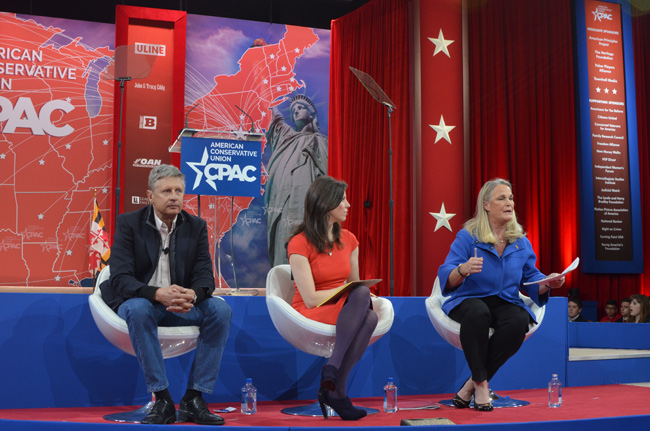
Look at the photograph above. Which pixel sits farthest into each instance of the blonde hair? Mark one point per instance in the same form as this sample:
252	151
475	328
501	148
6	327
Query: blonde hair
479	225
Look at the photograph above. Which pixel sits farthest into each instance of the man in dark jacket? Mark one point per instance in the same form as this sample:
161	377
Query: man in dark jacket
161	274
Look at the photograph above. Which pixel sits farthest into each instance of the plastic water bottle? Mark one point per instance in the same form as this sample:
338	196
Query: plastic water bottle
554	392
390	396
248	398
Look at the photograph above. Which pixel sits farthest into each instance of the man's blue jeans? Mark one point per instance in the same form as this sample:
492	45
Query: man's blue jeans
211	315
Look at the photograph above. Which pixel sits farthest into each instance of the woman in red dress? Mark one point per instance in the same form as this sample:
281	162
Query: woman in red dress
323	257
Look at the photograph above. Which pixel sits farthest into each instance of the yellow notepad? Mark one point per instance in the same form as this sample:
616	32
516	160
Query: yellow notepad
336	293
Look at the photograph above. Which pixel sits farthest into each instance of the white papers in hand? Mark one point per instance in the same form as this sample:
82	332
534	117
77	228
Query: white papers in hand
570	268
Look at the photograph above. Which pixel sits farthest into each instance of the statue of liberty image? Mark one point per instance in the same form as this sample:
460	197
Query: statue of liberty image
298	157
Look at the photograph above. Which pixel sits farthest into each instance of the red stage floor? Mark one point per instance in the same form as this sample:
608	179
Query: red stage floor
578	403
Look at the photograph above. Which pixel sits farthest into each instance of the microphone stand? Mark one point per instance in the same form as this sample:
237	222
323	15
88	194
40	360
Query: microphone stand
380	96
118	191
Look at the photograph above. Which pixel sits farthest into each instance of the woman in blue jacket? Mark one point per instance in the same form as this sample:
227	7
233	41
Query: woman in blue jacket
487	264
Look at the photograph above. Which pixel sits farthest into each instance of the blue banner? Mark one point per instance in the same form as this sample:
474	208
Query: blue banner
221	167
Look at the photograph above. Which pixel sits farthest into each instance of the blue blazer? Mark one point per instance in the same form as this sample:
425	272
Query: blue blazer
136	249
501	275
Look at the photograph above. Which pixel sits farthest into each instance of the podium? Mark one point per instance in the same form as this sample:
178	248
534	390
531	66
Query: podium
221	163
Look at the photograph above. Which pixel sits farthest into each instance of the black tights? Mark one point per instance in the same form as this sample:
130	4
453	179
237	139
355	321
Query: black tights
485	354
354	327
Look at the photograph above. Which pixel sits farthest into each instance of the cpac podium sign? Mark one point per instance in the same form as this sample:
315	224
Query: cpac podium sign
221	167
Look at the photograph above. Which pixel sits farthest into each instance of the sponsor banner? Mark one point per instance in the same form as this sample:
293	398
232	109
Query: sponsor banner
221	167
610	210
153	59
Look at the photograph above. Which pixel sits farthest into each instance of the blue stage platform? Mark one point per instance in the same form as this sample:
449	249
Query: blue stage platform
53	355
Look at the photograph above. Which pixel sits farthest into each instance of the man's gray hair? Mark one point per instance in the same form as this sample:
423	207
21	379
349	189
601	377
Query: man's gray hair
163	171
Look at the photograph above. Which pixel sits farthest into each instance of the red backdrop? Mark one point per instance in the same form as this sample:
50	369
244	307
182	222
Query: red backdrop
522	127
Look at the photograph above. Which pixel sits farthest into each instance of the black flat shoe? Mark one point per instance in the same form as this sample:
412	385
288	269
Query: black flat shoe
343	407
329	375
487	407
460	403
163	412
196	410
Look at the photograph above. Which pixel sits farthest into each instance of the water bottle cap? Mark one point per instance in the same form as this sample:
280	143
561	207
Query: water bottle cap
249	380
554	375
390	379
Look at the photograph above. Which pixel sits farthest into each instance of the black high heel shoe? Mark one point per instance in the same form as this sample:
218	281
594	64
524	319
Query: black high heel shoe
329	375
343	407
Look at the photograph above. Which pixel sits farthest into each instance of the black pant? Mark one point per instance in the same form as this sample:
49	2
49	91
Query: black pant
485	354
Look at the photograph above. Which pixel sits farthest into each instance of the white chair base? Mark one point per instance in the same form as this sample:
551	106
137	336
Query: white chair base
313	410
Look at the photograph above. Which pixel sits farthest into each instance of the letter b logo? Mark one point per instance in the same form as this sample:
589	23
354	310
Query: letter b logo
147	122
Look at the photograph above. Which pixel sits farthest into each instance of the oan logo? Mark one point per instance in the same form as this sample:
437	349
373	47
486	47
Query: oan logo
148	122
220	172
146	163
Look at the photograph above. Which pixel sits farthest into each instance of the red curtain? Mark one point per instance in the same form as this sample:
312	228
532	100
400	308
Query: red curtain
522	127
375	40
641	33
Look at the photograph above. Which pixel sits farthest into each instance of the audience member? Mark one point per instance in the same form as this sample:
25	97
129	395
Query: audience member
611	314
575	308
625	310
639	309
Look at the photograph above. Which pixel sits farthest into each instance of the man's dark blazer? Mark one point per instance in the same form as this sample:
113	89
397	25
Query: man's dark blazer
136	249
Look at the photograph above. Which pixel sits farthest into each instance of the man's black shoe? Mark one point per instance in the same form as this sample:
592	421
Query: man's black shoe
197	411
162	412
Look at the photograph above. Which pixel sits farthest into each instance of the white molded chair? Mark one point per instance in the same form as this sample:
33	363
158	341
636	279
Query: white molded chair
174	341
449	330
308	335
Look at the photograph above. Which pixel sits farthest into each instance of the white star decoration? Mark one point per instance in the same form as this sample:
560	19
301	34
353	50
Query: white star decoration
41	162
441	44
2	156
40	216
105	142
442	130
442	218
57	278
240	134
69	252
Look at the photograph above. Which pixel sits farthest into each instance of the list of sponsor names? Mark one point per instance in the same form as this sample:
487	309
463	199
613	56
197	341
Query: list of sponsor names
609	140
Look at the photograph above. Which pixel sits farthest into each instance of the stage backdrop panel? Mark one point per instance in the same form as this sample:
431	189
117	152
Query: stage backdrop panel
56	119
57	108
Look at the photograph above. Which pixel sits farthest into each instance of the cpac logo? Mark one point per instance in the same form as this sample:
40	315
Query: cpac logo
219	172
23	115
601	14
147	122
